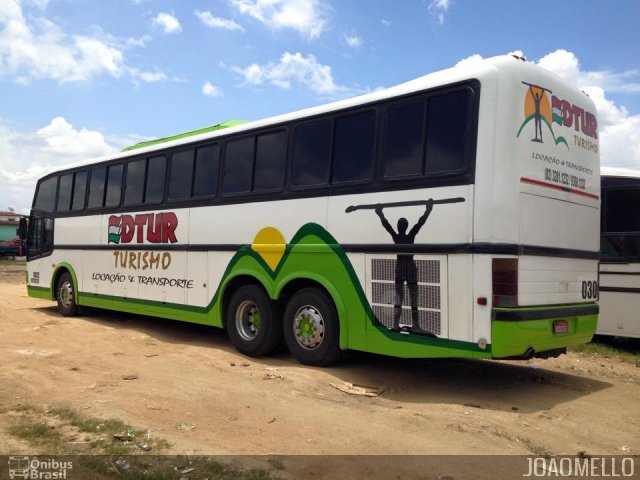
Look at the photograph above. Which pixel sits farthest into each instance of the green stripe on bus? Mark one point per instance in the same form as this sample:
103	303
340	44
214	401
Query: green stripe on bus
39	292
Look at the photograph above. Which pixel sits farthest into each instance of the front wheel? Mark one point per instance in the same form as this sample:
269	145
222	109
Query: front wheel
66	296
311	328
253	321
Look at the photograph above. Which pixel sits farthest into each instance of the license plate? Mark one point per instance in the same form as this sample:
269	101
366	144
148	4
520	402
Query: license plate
560	326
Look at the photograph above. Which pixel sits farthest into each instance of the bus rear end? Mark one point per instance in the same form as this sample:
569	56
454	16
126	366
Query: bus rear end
544	291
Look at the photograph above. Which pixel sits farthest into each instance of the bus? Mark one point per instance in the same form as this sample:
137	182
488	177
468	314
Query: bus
455	215
620	254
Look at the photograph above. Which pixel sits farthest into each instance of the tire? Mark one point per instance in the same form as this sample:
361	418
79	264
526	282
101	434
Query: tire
66	296
251	335
311	328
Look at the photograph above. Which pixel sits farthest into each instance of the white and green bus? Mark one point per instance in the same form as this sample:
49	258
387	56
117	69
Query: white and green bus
455	215
619	297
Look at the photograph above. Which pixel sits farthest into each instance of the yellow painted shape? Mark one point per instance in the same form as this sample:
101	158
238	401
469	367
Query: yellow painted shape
270	245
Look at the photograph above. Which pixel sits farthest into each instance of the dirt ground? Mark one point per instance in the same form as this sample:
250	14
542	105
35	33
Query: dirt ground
194	390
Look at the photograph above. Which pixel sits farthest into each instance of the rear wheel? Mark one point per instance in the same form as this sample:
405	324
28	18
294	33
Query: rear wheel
66	296
253	321
311	328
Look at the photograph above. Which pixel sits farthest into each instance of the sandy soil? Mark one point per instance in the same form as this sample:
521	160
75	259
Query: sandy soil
196	391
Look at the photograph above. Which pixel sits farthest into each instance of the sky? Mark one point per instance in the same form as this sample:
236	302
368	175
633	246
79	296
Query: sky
83	78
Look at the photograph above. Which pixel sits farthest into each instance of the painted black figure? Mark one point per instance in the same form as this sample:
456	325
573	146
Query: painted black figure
406	271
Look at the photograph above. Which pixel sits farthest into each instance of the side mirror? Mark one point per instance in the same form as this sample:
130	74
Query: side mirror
22	229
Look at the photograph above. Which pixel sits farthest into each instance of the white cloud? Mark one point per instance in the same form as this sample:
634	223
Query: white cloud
385	22
25	157
354	41
41	50
619	130
168	23
292	68
210	90
439	9
38	49
306	16
217	22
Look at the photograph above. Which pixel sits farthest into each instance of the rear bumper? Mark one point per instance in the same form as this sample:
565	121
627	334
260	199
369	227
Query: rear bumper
515	331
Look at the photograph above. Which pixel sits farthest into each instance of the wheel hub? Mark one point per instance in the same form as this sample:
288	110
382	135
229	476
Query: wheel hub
308	327
66	294
248	320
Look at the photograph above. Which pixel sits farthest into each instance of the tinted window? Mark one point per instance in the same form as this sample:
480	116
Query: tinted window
353	147
46	198
79	190
156	170
404	139
271	159
621	210
47	237
181	175
134	188
447	131
96	187
114	186
205	182
238	166
64	193
34	240
311	154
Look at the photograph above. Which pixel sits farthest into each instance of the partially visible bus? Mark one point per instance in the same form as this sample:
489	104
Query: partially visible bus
620	254
455	215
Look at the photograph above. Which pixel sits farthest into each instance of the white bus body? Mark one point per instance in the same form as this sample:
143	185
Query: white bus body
507	268
620	254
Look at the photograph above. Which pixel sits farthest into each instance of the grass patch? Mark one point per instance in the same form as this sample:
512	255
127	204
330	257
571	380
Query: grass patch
167	468
62	430
539	450
623	349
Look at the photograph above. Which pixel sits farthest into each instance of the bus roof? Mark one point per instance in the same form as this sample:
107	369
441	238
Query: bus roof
465	71
619	172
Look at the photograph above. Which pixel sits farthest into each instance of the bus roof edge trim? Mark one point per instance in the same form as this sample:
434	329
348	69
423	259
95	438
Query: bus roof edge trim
191	133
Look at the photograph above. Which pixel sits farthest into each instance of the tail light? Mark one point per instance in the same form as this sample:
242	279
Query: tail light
505	282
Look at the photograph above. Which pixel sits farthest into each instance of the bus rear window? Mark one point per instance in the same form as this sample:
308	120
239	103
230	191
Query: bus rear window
46	197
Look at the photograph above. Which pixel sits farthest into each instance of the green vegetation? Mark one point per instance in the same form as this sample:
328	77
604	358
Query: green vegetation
61	430
624	349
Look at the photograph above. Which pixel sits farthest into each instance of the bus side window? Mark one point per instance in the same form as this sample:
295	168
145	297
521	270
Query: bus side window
181	176
311	154
47	235
447	131
64	193
271	161
156	174
46	196
353	150
96	187
34	239
134	184
79	190
404	139
238	165
205	181
114	185
40	237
